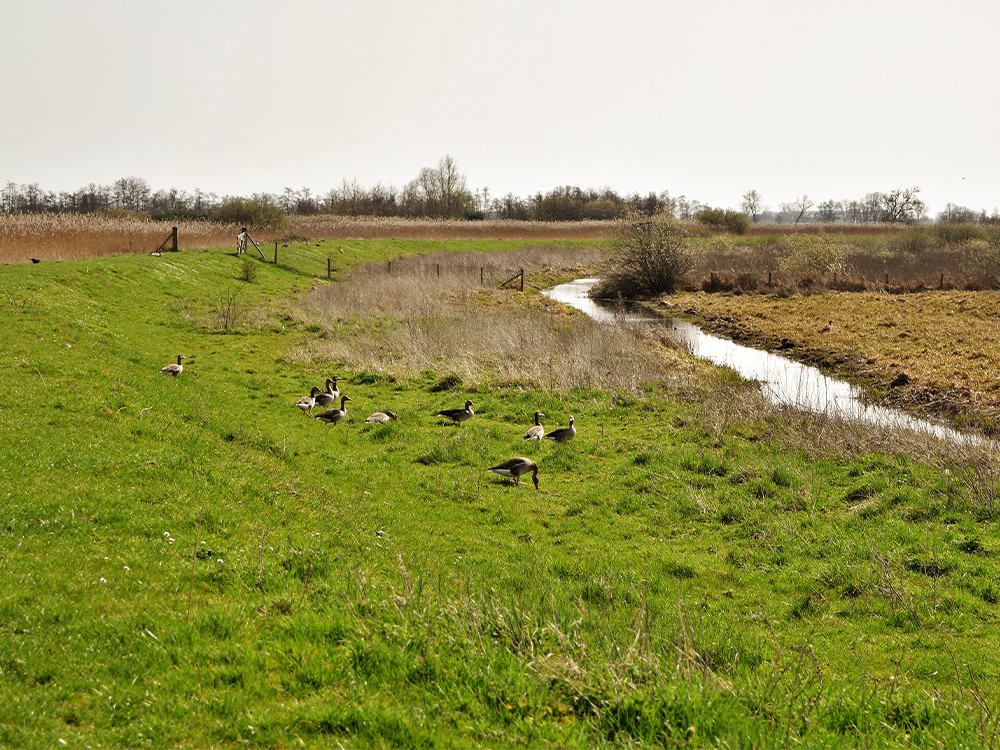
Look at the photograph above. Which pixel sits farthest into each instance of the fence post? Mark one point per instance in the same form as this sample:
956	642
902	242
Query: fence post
769	278
480	276
327	268
439	270
175	239
941	283
389	267
887	279
522	279
275	252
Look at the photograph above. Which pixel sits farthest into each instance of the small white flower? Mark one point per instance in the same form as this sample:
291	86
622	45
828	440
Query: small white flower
127	568
103	580
219	561
166	533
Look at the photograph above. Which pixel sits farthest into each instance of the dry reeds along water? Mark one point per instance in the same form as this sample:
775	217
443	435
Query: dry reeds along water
456	324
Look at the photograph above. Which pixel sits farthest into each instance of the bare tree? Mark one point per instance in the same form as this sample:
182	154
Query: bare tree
801	205
131	193
441	190
753	205
902	205
828	210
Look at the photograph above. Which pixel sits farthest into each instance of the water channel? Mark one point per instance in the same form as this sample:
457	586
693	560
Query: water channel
782	380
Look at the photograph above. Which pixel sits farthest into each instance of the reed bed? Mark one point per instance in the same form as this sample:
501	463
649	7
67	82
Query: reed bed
374	227
74	236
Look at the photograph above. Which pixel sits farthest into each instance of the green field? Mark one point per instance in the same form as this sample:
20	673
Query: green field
189	562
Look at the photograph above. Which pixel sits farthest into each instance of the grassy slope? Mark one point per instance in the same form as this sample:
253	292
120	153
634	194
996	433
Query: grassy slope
191	562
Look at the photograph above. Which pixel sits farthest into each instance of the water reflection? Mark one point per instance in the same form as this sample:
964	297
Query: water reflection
782	380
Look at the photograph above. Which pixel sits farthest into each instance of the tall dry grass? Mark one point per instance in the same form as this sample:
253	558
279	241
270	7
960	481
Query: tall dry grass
73	236
411	320
373	227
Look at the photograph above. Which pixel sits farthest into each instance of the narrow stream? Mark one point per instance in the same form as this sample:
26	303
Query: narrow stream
782	380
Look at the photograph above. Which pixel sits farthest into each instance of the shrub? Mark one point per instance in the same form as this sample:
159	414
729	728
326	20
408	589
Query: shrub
256	212
812	254
729	220
649	255
249	270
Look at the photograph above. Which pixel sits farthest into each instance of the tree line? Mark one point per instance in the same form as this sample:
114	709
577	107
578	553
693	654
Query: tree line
442	191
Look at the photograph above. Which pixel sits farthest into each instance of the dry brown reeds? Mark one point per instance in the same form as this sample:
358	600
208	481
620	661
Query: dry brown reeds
481	333
373	227
73	236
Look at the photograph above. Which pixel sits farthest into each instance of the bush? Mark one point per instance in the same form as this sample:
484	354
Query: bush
729	220
812	254
649	255
256	212
250	269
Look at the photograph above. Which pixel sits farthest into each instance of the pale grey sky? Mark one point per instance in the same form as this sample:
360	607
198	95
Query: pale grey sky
705	98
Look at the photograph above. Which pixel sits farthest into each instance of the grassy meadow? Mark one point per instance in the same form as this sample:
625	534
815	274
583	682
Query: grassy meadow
191	562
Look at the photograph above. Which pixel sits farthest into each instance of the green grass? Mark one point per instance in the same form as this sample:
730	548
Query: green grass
189	562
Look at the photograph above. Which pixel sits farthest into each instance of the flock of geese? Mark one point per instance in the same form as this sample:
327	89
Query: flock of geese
515	468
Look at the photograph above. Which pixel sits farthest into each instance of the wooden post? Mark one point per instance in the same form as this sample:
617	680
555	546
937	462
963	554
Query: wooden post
439	270
887	279
175	239
480	276
389	267
275	252
522	279
769	278
834	277
327	268
941	283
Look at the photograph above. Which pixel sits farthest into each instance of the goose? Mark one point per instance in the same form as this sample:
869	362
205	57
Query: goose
458	415
536	431
331	394
173	369
306	403
516	468
563	434
332	416
381	416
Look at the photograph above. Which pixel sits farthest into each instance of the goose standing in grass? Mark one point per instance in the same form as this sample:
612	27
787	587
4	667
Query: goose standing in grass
331	394
516	468
458	415
563	434
306	403
174	369
381	416
536	431
332	416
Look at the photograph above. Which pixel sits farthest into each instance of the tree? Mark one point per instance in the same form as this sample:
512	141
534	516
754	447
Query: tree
801	206
954	214
440	191
753	205
902	206
828	211
649	255
131	193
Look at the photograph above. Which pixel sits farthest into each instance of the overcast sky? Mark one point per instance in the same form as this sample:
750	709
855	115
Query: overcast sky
704	98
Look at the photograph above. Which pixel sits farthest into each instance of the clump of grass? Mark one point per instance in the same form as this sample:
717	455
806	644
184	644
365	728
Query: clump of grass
249	270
